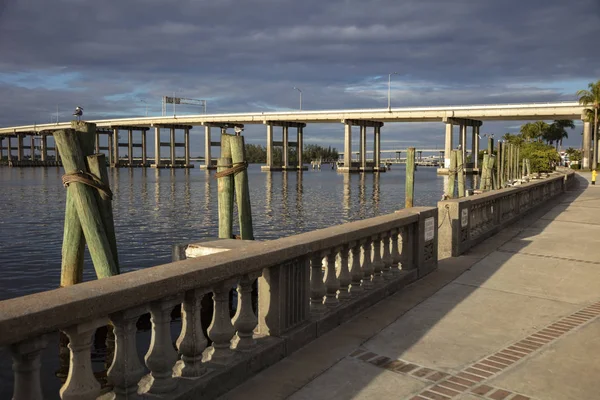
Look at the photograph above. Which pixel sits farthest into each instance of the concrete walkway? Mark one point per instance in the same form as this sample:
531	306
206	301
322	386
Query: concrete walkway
516	318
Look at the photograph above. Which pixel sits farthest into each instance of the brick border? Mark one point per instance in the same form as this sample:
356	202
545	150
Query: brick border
444	386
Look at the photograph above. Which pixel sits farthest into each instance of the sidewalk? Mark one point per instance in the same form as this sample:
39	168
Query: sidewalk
516	318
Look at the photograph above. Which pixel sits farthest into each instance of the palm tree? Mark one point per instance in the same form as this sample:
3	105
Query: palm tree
534	130
591	97
557	131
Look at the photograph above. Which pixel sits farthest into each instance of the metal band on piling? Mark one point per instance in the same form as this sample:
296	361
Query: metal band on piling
232	169
87	179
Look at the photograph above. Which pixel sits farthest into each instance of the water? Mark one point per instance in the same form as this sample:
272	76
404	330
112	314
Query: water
154	209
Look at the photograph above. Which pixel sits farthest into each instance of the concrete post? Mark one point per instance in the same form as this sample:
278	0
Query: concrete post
157	160
377	147
186	139
476	146
172	147
116	147
44	148
269	145
348	146
207	146
463	141
300	147
20	147
363	147
448	145
32	148
587	144
97	143
130	146
144	149
285	147
9	149
1	148
110	150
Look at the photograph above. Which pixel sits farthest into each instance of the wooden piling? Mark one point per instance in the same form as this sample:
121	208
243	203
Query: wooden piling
518	163
460	173
452	174
490	146
225	190
97	167
410	178
484	173
73	246
498	175
490	172
242	190
85	202
502	164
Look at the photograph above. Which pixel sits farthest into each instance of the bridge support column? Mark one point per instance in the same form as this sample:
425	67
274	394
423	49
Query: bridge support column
207	147
130	147
110	149
19	147
97	143
475	147
587	145
172	147
186	146
144	149
157	161
448	145
1	148
463	141
300	147
377	149
270	146
363	148
347	147
285	148
116	148
32	148
44	148
9	149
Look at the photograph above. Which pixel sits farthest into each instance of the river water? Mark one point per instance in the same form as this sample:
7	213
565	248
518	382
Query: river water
154	209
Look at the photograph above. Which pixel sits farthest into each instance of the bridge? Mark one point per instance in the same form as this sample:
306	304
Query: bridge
424	303
460	116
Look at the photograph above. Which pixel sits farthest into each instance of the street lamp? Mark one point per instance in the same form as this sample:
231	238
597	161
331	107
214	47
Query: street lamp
390	90
300	91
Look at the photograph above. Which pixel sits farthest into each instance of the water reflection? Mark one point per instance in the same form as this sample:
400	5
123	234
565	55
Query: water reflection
347	195
376	193
299	200
285	213
269	194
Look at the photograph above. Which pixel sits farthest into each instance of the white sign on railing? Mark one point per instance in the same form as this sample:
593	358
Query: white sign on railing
429	229
464	217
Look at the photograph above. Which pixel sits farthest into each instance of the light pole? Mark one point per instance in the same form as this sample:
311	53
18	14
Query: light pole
300	91
390	90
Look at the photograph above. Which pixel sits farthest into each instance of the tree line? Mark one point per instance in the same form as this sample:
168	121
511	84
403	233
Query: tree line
256	153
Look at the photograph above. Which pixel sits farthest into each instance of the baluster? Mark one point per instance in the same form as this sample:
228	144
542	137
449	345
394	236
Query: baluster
81	383
344	276
317	286
396	258
27	362
126	369
355	271
367	267
161	356
406	254
377	263
191	342
221	330
386	256
331	281
244	320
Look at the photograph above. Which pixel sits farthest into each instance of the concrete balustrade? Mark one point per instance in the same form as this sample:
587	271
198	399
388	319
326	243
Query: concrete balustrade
307	285
467	221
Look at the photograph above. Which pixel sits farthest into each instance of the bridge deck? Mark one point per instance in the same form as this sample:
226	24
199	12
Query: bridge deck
504	321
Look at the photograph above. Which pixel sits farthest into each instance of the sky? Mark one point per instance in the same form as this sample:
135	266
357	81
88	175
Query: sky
118	58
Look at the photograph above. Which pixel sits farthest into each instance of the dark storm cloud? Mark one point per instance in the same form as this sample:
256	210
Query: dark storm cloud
247	55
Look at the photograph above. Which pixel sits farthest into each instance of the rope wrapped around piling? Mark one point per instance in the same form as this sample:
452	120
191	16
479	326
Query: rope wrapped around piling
232	169
87	179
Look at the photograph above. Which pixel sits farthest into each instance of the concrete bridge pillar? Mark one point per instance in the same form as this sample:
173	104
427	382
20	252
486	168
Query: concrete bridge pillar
186	145
9	149
1	147
463	141
172	147
32	148
587	144
207	147
130	146
270	145
20	147
115	147
377	147
300	146
363	147
448	145
157	160
285	147
97	142
110	149
44	148
475	146
348	145
144	148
